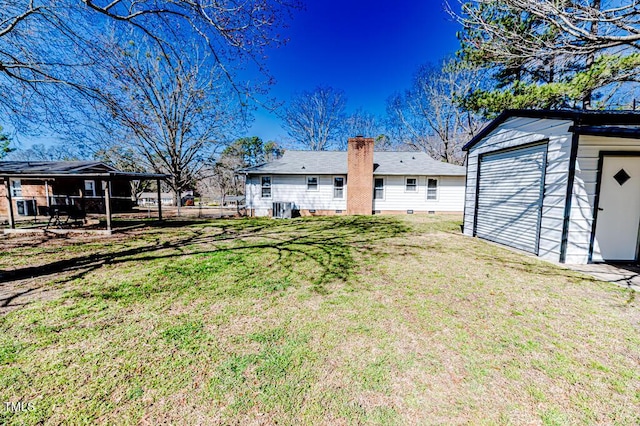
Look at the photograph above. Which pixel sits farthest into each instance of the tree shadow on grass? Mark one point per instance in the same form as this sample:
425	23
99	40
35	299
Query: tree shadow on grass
327	244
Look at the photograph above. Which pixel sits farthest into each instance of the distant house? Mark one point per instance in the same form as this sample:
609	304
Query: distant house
564	185
359	181
146	199
231	201
151	199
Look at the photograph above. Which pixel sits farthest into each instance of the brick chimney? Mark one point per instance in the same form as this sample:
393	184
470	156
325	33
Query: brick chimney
360	175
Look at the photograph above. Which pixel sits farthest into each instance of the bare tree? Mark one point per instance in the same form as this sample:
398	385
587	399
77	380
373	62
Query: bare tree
385	142
42	152
427	117
46	45
123	156
550	53
315	119
174	112
362	123
223	178
571	21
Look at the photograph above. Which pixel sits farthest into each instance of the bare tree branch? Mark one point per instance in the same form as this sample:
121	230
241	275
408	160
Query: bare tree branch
550	53
56	42
174	117
427	117
314	119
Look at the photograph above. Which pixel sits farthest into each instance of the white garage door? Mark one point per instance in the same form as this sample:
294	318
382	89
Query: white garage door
510	192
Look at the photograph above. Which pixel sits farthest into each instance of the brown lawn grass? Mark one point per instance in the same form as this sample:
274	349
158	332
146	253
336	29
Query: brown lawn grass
365	320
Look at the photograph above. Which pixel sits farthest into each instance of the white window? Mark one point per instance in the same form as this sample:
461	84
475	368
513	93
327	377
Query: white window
432	189
89	188
338	187
411	184
16	188
378	189
265	182
312	183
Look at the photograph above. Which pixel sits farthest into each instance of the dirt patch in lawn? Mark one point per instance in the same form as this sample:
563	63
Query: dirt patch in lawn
36	267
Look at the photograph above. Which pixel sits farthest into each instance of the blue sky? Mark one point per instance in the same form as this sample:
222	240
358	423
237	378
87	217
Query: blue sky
369	49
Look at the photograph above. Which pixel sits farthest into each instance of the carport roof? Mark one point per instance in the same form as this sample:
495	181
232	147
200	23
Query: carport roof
67	169
606	121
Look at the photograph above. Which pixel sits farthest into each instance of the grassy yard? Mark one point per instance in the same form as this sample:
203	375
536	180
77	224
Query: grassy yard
350	320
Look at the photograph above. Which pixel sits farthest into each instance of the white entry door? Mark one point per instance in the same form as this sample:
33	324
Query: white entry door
618	210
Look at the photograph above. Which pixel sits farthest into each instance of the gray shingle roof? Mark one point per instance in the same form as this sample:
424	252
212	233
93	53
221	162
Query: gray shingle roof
57	167
412	163
335	163
63	169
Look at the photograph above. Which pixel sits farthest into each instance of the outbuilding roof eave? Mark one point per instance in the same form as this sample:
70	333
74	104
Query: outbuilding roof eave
577	116
608	131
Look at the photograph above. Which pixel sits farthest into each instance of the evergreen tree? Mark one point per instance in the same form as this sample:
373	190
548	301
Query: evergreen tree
549	53
5	140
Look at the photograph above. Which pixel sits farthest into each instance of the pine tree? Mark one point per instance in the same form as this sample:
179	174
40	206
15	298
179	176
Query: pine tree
549	53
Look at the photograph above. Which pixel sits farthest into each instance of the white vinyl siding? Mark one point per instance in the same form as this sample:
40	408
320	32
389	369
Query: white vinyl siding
293	188
584	192
518	131
396	198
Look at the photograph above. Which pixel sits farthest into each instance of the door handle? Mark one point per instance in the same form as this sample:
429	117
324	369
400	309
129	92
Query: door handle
600	209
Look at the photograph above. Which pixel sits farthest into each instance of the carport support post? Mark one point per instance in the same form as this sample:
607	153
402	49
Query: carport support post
106	186
7	186
46	193
159	200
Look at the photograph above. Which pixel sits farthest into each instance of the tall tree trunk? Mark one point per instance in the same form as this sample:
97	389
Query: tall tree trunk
591	57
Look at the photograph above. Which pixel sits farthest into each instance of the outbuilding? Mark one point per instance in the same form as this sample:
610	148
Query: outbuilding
68	188
563	185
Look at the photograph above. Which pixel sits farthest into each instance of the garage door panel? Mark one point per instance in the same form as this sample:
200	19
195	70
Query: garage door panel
517	199
496	219
510	191
490	229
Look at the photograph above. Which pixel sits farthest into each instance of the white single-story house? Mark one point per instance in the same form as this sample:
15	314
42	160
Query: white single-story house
151	199
146	199
564	185
359	181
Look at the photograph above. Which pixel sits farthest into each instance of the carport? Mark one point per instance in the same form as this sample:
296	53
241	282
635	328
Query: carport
31	187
